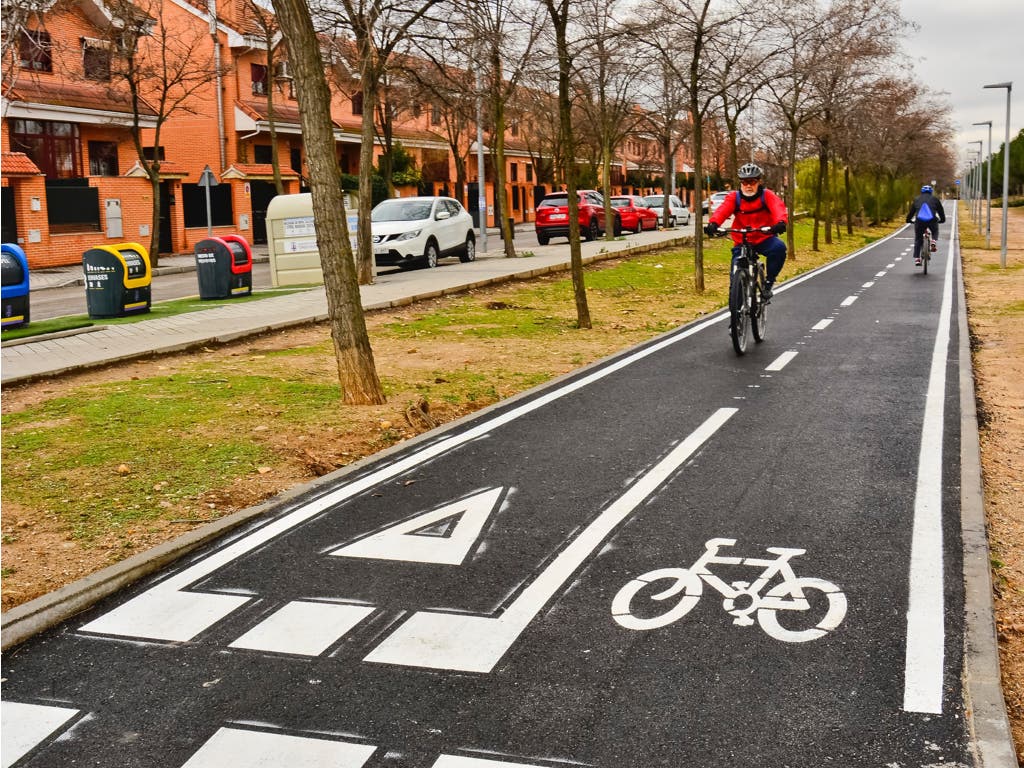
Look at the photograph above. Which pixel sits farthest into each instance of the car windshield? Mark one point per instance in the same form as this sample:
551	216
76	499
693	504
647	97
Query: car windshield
401	210
555	201
621	202
654	200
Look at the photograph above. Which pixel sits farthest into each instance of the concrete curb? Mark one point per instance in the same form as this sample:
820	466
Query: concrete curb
986	709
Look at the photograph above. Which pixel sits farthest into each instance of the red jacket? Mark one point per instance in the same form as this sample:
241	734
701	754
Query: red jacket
765	210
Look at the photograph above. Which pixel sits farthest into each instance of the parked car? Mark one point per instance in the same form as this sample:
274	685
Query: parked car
635	214
409	231
553	216
717	199
678	213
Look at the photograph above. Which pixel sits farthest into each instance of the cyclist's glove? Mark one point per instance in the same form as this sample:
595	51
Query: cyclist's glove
711	229
779	228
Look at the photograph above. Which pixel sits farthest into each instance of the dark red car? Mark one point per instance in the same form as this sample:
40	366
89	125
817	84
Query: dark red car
635	215
553	216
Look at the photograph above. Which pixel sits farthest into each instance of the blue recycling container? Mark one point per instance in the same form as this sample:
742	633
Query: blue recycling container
15	286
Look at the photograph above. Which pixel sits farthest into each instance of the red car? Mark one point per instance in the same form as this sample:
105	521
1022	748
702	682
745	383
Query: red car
635	215
553	216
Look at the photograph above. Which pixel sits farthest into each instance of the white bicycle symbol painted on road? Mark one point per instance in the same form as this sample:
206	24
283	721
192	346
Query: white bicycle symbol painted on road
742	599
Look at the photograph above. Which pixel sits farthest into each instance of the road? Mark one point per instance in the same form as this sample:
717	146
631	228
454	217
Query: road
675	557
70	300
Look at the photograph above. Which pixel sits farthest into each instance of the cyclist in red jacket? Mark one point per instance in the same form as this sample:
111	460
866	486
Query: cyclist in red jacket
755	206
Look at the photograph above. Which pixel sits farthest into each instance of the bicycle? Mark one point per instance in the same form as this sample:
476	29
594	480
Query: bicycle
748	310
926	250
741	598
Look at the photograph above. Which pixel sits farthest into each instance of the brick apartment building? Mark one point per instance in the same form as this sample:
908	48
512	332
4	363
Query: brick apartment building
71	177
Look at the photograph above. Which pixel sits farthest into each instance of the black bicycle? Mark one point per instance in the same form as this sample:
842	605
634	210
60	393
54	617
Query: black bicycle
926	249
748	309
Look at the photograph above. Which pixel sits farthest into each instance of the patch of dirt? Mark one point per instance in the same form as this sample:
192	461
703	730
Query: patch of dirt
40	554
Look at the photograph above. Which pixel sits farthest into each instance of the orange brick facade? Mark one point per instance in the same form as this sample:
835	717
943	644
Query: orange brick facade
190	139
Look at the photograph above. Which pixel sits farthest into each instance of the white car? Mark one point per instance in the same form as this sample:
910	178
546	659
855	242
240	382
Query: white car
410	231
718	198
678	213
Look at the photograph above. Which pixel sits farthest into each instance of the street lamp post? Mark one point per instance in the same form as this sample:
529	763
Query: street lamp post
977	182
1006	166
988	191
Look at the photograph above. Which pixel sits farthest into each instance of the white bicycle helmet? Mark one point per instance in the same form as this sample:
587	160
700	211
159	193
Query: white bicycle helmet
750	171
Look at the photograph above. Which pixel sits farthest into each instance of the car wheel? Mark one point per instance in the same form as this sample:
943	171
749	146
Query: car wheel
542	238
431	255
617	226
672	222
469	252
592	231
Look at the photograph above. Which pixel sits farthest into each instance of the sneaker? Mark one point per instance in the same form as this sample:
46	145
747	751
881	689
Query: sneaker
934	246
766	294
917	262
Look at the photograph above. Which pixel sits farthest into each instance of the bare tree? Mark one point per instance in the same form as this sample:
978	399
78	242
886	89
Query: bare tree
266	22
504	33
376	28
560	13
685	36
357	373
164	69
609	84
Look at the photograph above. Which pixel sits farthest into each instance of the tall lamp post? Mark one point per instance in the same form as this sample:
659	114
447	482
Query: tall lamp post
988	191
977	184
1006	166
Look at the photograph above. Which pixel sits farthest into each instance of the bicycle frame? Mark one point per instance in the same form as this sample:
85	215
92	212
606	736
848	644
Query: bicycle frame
746	310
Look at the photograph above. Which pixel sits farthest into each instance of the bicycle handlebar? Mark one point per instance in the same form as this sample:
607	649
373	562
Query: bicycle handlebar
723	231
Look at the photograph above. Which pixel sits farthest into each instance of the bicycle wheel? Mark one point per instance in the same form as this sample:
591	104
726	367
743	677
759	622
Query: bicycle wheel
926	256
834	604
739	309
758	309
686	582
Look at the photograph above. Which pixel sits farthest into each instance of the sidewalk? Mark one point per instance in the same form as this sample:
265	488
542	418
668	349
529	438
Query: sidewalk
101	345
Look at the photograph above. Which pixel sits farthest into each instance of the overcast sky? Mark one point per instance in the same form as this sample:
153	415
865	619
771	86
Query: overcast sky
963	45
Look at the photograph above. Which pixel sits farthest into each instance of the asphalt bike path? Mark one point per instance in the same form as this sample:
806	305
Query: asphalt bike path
675	557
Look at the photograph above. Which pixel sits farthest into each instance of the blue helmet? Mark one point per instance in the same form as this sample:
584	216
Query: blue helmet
926	188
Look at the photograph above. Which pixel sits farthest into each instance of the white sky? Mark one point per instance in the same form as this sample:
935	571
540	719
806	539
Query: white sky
963	45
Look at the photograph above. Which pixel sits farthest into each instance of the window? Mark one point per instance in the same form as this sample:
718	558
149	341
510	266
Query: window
529	171
258	73
514	171
102	158
54	147
36	50
417	110
154	153
357	103
96	59
261	153
435	115
515	127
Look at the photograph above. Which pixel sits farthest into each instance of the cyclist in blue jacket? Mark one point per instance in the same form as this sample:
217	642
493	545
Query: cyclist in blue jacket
926	213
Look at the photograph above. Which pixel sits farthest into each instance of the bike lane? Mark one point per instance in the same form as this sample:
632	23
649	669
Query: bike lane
452	603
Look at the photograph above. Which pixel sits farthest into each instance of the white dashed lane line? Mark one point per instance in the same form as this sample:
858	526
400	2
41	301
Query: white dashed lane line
782	361
848	301
821	325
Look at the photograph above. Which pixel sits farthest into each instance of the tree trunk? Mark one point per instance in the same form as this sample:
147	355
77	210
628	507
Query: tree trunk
365	236
560	20
698	208
154	232
791	193
501	205
827	200
849	204
817	203
357	374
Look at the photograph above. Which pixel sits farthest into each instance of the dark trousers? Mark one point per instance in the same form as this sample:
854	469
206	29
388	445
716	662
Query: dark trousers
774	251
919	228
